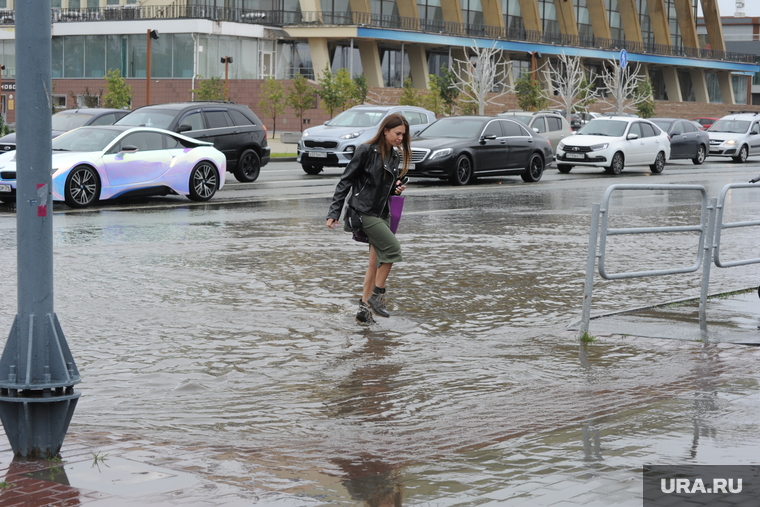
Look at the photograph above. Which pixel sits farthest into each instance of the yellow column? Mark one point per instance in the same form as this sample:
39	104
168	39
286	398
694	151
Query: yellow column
531	18
726	87
672	84
419	67
630	19
713	25
371	64
600	21
566	17
658	17
699	83
320	55
687	23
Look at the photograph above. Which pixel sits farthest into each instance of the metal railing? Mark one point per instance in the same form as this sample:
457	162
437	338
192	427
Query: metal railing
708	249
280	18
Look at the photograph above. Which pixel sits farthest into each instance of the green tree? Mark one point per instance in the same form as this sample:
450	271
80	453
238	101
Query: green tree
468	107
347	89
209	89
361	89
89	98
529	95
433	100
301	97
644	98
332	96
118	93
409	96
273	100
447	89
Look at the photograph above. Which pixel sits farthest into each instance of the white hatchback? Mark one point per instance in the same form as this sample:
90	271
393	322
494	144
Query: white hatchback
613	143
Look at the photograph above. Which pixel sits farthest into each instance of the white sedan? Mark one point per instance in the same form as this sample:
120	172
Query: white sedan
613	143
106	162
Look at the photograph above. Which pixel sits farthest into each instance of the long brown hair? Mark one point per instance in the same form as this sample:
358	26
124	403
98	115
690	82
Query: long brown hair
391	122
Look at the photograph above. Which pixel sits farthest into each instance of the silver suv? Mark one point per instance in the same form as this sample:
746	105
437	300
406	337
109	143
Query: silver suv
333	144
552	126
736	136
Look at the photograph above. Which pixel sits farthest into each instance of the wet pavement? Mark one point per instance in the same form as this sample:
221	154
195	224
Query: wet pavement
222	364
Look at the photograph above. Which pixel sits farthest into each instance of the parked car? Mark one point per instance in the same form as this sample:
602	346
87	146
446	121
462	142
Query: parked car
109	161
462	148
686	139
63	121
614	142
705	122
333	143
232	128
578	120
736	136
629	115
549	124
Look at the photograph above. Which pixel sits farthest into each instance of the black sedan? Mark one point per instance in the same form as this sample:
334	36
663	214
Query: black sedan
686	139
462	148
69	119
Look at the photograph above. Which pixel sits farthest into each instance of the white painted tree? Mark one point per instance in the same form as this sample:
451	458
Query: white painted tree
622	86
571	84
479	76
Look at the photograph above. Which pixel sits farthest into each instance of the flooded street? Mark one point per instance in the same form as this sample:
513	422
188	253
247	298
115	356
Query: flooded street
221	340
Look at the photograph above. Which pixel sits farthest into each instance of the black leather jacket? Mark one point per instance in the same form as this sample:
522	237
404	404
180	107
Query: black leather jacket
370	181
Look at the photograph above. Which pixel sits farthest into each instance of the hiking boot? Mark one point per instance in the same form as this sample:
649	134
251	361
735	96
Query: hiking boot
376	303
364	315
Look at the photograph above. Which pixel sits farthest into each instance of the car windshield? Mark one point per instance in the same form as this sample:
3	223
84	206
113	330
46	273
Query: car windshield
730	126
600	127
358	118
69	121
157	118
523	119
85	139
663	124
454	127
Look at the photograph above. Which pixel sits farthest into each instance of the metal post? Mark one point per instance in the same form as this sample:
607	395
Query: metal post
147	70
37	370
590	263
708	256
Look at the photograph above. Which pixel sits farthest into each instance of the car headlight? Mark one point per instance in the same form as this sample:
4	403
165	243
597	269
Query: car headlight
731	142
561	146
352	135
305	133
599	147
441	153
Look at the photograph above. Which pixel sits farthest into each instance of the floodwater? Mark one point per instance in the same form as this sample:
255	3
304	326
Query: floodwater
225	335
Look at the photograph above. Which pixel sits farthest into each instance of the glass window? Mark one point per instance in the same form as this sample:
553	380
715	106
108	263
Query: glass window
635	129
740	89
161	55
74	4
539	124
512	129
116	53
689	127
194	119
95	55
240	118
73	56
136	47
183	55
57	57
218	119
647	130
554	123
144	141
678	128
106	119
171	142
493	129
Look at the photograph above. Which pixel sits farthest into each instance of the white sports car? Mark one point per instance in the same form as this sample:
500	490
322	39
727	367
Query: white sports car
110	161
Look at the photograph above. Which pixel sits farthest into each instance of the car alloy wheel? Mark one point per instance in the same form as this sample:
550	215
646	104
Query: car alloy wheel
535	169
659	164
701	155
248	167
462	171
204	182
617	165
82	187
743	154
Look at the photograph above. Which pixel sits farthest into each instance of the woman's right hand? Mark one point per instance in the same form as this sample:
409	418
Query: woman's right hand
331	223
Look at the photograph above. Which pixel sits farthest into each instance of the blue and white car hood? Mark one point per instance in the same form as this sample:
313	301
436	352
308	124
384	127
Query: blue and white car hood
61	159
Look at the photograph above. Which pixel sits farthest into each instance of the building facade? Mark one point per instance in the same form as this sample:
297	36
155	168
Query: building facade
387	41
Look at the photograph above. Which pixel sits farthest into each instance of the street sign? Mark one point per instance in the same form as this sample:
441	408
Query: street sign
623	58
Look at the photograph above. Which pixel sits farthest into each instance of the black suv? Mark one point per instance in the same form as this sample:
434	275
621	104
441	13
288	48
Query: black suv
233	128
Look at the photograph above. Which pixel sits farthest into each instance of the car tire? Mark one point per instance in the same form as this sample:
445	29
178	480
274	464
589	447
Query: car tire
659	164
204	181
617	165
564	168
535	169
463	170
8	200
701	155
82	187
248	167
743	154
311	169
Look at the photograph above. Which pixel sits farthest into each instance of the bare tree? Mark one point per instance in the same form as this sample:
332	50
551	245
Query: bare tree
622	85
574	89
481	75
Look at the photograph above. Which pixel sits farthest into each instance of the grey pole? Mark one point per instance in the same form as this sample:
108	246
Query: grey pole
37	370
588	287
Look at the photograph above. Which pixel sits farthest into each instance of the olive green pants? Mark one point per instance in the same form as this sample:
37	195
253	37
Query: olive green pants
387	247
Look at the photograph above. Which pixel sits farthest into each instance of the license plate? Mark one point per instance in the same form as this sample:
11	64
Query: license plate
317	154
5	188
575	155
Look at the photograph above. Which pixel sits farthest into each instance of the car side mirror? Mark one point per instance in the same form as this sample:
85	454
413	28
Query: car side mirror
631	137
489	137
677	133
183	128
128	149
535	130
